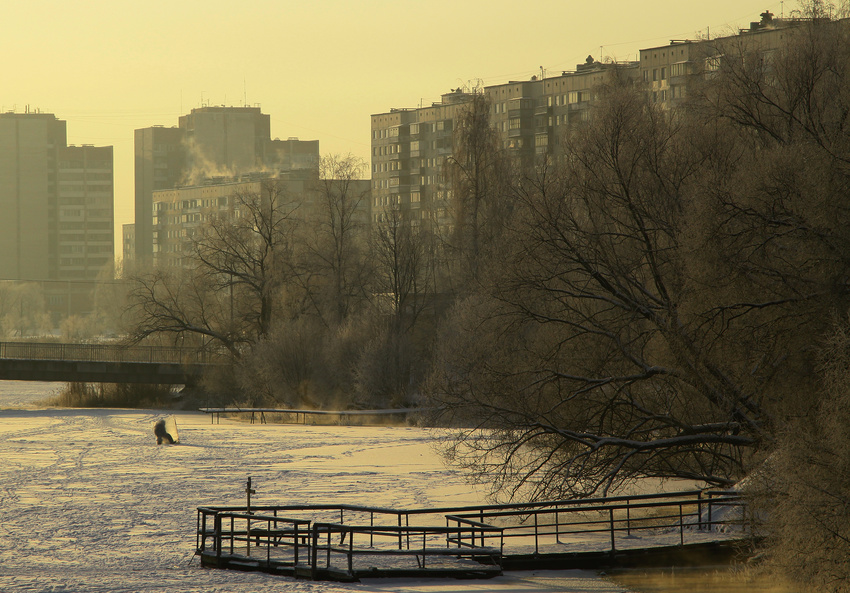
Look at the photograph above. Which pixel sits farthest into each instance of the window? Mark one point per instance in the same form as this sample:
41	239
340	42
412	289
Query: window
664	74
654	74
679	69
712	63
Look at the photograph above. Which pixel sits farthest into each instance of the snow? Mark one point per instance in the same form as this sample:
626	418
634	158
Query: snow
89	502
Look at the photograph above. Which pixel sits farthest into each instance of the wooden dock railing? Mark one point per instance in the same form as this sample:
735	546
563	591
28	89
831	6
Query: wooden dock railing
350	541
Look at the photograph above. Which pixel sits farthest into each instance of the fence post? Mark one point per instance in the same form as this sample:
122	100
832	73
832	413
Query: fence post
231	534
699	510
481	520
217	541
681	526
710	522
536	542
351	552
557	526
314	553
199	540
628	517
611	518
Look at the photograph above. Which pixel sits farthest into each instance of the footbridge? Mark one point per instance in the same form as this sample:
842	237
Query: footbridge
349	542
103	363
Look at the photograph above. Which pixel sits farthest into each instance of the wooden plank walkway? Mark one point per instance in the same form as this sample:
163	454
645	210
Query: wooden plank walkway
349	542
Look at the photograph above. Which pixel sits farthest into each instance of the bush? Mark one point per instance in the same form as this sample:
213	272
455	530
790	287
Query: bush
113	395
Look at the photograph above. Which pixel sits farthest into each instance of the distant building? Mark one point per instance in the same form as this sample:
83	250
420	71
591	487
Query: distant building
179	213
29	143
57	205
666	70
209	143
160	164
128	235
409	146
85	214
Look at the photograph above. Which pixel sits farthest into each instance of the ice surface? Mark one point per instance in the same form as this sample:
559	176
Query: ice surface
89	502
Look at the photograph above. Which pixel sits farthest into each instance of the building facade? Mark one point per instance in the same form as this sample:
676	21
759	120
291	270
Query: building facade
179	213
409	146
85	216
58	213
160	160
667	71
209	143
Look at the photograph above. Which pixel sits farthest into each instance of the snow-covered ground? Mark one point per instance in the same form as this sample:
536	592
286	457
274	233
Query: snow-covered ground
90	503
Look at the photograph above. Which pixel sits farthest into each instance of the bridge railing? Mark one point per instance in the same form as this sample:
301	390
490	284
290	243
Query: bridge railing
105	353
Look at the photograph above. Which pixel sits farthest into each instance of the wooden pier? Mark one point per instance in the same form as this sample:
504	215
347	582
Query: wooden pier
350	542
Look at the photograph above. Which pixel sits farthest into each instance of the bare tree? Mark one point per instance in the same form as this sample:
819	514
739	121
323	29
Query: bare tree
478	173
802	492
335	269
241	259
402	274
605	352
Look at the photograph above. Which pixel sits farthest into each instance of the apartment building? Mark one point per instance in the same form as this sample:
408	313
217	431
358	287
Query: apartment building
208	143
667	69
409	146
85	191
179	213
57	204
29	143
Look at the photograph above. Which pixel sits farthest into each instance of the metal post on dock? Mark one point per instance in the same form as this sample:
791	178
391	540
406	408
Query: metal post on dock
249	491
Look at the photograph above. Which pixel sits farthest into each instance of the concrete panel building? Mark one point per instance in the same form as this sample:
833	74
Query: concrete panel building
160	161
180	212
409	146
28	147
57	205
85	216
209	143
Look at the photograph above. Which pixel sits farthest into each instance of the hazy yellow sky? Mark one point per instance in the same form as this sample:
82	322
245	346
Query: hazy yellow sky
319	68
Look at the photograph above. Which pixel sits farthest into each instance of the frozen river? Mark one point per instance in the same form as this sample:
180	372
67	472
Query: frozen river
89	502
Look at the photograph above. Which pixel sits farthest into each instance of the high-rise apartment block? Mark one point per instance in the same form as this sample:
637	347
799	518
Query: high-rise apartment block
57	204
29	143
534	117
179	213
666	69
409	146
209	142
84	217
